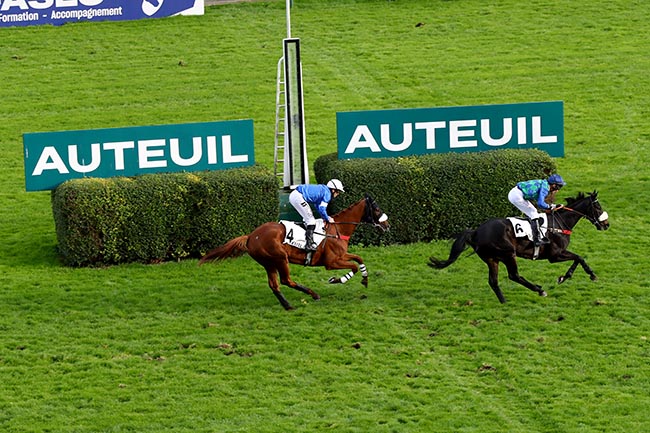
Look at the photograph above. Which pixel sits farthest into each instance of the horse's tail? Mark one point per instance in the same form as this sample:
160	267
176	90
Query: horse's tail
460	245
231	249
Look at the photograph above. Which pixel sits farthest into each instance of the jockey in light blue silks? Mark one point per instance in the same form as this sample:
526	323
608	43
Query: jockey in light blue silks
319	195
537	190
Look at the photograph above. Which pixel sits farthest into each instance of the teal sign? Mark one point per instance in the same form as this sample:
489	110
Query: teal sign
54	157
419	131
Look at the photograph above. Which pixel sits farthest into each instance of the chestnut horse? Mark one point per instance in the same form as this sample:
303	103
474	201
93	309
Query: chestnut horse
495	241
265	245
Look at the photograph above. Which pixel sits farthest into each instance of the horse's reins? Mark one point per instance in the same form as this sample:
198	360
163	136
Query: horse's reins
339	235
561	222
559	218
345	237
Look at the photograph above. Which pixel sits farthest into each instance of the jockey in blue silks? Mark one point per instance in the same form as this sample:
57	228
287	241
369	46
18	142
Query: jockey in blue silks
536	190
319	195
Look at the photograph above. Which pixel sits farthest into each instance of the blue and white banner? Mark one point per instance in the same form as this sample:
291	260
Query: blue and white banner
57	12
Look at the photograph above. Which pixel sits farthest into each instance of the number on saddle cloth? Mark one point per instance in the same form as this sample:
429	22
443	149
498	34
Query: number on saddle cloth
523	229
295	233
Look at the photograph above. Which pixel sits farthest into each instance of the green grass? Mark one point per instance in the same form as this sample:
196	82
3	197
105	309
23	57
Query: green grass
174	347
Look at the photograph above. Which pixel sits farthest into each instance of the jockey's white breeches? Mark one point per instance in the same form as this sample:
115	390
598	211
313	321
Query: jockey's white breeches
516	197
302	207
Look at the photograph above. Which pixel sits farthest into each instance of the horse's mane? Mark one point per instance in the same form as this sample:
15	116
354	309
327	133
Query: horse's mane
349	207
580	196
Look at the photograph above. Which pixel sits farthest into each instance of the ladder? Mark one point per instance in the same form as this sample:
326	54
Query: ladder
280	127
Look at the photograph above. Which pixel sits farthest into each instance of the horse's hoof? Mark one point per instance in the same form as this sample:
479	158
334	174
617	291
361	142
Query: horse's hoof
334	280
315	297
561	279
365	282
593	277
543	294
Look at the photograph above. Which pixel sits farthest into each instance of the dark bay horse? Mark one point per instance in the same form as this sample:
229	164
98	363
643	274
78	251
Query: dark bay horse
495	241
265	245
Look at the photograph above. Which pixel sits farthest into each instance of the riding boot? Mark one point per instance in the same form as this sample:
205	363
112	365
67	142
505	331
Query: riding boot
542	238
309	238
534	225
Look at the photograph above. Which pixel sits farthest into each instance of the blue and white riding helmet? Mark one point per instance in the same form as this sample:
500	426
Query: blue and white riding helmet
556	179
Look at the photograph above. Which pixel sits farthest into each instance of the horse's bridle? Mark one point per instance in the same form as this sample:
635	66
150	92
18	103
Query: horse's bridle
368	217
595	221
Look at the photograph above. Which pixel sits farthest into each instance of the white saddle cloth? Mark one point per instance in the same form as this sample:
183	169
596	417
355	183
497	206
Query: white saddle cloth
295	233
523	229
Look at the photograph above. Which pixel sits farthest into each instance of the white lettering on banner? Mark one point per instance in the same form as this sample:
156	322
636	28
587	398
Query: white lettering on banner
461	134
176	152
144	153
46	4
537	132
456	133
151	154
362	138
75	165
430	128
521	130
385	138
489	140
118	148
228	157
50	160
212	149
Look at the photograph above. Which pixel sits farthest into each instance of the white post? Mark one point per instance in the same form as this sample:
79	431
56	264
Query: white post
288	19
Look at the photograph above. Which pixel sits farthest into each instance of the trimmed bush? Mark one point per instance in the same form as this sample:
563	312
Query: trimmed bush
433	196
158	217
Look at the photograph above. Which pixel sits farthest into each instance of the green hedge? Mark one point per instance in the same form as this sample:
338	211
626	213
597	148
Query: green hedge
433	196
159	217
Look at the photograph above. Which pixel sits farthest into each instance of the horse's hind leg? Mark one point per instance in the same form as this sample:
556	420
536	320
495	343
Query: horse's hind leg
493	279
275	287
513	274
285	278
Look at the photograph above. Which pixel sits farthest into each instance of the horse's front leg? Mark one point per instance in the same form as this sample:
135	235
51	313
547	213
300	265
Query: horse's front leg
577	260
347	262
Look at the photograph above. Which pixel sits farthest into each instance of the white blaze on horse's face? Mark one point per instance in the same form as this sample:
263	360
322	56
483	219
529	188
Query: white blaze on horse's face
383	218
603	217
